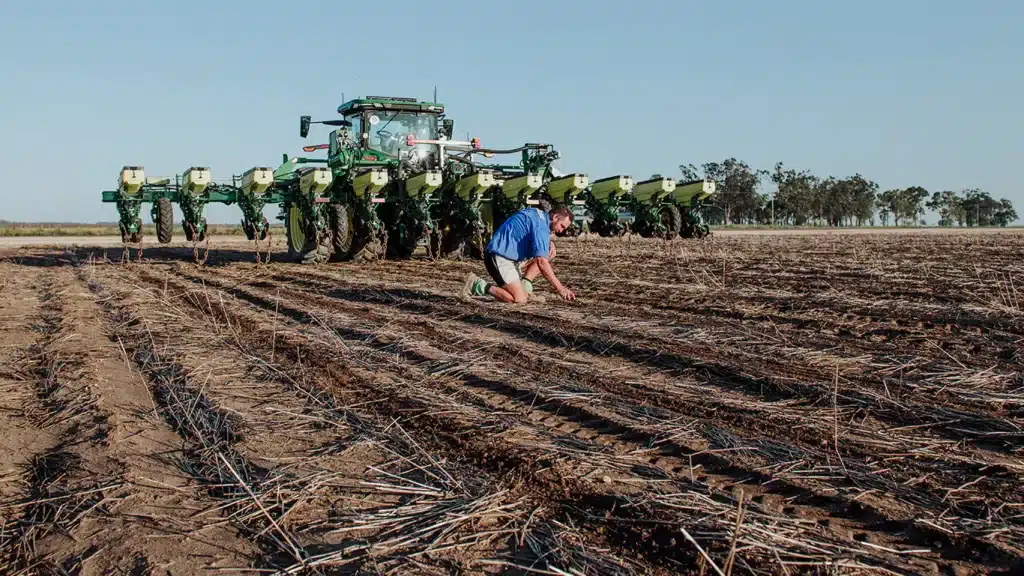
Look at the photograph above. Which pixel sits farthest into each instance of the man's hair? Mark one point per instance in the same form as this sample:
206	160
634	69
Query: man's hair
560	211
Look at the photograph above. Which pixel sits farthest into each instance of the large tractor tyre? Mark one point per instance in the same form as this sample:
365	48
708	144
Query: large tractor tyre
339	218
302	241
164	220
671	220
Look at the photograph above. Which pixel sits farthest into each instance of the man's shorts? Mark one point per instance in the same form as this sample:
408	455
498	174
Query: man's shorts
501	269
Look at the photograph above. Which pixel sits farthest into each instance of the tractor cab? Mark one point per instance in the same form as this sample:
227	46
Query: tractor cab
383	126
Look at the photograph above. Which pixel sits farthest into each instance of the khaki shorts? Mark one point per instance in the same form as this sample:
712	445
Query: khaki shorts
501	269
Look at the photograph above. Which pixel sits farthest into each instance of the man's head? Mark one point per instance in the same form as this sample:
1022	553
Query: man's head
561	218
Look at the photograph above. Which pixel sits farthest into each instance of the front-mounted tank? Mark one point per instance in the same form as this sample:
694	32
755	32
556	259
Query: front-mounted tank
129	201
254	192
653	215
605	198
135	188
192	200
688	198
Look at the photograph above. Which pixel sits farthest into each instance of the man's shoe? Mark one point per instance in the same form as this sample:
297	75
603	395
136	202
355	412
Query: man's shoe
474	286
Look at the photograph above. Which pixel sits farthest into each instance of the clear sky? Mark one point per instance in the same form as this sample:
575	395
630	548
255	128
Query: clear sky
905	92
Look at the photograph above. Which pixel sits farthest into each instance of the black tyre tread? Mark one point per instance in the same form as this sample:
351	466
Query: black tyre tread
342	235
674	220
164	220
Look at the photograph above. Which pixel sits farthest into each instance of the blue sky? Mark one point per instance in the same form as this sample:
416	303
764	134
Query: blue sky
905	92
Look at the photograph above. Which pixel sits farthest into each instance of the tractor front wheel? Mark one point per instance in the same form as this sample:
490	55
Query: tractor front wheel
342	233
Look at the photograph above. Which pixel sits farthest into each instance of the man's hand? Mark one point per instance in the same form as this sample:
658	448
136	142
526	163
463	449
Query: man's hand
545	269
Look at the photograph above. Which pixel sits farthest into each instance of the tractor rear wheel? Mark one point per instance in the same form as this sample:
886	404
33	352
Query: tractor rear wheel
164	220
302	239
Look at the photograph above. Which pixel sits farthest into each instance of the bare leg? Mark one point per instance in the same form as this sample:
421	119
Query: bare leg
513	292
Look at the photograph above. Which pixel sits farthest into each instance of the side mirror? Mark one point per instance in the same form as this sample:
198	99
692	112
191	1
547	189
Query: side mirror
448	127
304	125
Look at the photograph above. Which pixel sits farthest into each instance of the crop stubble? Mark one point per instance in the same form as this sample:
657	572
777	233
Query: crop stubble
844	401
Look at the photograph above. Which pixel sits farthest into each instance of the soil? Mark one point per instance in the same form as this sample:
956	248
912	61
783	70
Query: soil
749	404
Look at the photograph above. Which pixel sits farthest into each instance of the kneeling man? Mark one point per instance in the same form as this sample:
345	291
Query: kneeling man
525	237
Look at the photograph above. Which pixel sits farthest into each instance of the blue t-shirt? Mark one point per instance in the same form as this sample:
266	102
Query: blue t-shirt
524	235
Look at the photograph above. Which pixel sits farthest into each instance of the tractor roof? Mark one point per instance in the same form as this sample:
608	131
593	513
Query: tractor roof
389	103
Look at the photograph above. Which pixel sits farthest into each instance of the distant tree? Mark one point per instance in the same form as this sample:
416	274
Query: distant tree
801	198
948	206
979	208
911	201
1005	213
883	210
795	196
905	203
849	201
862	198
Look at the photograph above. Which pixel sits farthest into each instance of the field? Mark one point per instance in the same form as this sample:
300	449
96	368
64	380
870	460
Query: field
754	404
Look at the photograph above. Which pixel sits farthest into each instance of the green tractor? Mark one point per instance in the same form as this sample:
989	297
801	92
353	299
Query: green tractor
393	179
382	185
399	180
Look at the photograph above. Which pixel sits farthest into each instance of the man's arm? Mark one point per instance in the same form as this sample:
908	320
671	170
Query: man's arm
545	269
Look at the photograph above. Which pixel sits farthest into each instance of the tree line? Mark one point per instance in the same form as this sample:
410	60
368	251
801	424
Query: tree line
806	199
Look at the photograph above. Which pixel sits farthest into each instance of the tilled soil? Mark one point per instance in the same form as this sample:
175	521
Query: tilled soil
801	404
